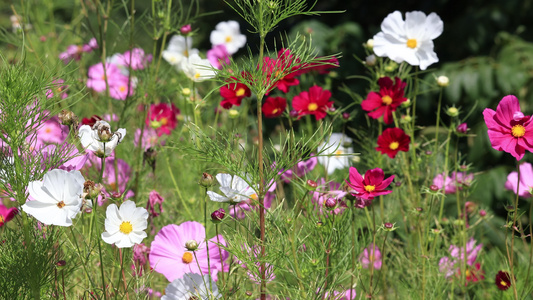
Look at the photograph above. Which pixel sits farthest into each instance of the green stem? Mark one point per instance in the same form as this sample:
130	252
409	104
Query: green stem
515	214
207	241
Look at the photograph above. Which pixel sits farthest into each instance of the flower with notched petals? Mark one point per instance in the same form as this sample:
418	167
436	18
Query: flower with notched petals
392	141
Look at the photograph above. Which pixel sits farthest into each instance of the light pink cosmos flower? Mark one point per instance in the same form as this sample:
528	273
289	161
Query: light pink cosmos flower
509	130
136	57
89	47
97	77
448	265
74	52
373	185
150	139
457	181
218	56
154	199
51	132
302	167
526	180
325	191
169	256
122	88
346	295
140	257
58	88
371	255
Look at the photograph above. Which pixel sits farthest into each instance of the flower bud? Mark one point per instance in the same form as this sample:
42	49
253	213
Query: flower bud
67	118
186	29
406	103
510	208
452	112
482	213
346	116
191	245
206	180
60	264
370	60
434	188
391	67
293	114
218	215
443	81
186	91
369	44
470	207
462	128
92	189
311	185
388	225
330	203
233	113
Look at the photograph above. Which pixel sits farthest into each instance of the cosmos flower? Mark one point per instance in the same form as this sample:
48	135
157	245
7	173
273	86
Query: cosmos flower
7	214
326	191
125	225
410	40
282	71
274	107
191	286
526	181
338	146
302	167
235	189
155	199
371	256
313	102
503	280
508	129
218	56
97	76
169	256
57	197
136	58
179	48
233	93
197	68
392	141
371	186
100	139
228	34
162	117
385	102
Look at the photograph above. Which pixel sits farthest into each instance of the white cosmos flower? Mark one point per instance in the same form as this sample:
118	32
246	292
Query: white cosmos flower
57	197
125	225
179	48
234	188
339	145
191	286
228	34
410	40
197	69
100	139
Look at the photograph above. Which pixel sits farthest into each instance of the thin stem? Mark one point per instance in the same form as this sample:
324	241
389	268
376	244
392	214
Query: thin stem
220	254
515	214
207	242
122	271
437	128
353	248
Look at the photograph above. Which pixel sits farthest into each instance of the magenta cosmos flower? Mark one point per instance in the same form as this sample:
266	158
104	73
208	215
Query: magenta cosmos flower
169	256
163	118
526	180
313	102
385	102
509	130
371	186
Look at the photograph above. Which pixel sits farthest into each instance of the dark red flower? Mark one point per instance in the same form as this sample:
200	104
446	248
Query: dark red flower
233	93
503	280
315	102
162	117
91	120
274	107
390	96
393	140
374	184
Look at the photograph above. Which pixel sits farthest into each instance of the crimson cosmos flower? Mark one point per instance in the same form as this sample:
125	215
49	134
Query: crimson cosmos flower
393	140
503	280
7	214
274	106
390	96
315	102
233	93
509	130
162	117
282	63
371	186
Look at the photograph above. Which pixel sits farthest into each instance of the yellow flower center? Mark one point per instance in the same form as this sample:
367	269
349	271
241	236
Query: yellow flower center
518	131
411	43
370	188
254	197
61	204
338	152
467	273
163	121
187	258
48	130
197	75
2	219
312	107
125	227
122	88
275	111
240	92
186	53
387	100
394	145
503	283
228	39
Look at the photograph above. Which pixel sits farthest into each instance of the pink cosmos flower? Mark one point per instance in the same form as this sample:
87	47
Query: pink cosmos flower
150	139
154	199
457	181
325	191
346	295
97	77
162	117
121	88
7	214
509	130
371	255
218	56
74	52
58	88
110	176
526	180
89	47
302	167
280	65
51	132
448	265
386	101
136	57
371	186
169	256
140	257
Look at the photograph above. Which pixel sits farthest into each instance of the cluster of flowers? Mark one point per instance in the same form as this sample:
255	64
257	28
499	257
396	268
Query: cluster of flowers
452	265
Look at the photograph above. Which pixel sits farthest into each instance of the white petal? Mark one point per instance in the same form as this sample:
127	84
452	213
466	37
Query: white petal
393	24
224	179
127	210
434	26
37	193
414	24
111	238
216	197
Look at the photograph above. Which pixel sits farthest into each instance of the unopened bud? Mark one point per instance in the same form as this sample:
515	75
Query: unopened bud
330	203
452	112
311	185
443	81
233	113
60	264
92	189
186	29
462	128
186	91
206	180
482	213
346	116
67	118
293	114
191	245
370	60
218	215
388	225
510	208
369	44
434	188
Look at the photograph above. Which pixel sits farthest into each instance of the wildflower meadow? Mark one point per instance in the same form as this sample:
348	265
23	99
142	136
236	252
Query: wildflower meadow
265	149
